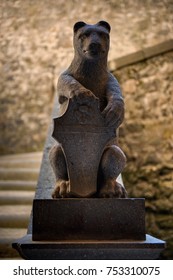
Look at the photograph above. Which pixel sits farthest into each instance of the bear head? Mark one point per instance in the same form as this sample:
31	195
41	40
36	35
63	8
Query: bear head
91	41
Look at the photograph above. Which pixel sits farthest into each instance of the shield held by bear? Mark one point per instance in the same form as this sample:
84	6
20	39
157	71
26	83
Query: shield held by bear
82	134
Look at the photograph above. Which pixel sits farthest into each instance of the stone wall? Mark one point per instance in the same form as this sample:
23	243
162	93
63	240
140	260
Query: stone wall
146	137
36	44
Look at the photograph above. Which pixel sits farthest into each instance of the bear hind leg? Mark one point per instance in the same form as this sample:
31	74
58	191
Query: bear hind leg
112	164
58	163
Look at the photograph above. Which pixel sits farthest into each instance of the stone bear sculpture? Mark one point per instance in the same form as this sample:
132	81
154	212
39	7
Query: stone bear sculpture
88	75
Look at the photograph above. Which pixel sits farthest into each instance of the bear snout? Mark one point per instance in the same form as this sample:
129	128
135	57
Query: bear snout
95	48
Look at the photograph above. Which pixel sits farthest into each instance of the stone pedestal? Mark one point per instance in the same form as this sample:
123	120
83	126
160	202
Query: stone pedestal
89	229
148	249
88	219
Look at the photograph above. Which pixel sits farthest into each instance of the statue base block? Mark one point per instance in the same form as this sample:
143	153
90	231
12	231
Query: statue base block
88	219
89	229
148	249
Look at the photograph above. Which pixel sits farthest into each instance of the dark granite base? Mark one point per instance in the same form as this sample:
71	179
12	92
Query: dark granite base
89	250
89	229
89	219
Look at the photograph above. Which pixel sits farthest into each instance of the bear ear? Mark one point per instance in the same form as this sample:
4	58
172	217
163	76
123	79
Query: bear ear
104	24
78	25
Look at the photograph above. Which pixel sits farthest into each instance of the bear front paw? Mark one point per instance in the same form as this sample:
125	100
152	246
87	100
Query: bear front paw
62	189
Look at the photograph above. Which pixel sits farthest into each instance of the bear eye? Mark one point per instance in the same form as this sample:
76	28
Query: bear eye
82	36
104	35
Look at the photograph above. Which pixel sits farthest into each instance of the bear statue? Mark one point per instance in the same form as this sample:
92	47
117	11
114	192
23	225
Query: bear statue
88	76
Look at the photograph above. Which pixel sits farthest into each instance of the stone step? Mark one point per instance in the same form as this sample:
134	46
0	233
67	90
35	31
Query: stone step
14	221
17	185
18	180
16	197
7	236
14	216
34	155
19	173
19	162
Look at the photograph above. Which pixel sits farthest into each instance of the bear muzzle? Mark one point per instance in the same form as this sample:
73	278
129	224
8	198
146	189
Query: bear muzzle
94	49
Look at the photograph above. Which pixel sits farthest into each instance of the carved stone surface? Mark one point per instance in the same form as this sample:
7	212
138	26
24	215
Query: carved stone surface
83	134
84	164
148	249
89	219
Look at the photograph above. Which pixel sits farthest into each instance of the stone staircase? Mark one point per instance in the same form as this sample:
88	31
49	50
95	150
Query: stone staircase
18	180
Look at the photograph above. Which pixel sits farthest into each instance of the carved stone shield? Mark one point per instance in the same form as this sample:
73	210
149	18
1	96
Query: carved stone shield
83	134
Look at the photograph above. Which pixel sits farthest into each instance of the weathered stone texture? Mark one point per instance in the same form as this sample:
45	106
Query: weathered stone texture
36	44
146	137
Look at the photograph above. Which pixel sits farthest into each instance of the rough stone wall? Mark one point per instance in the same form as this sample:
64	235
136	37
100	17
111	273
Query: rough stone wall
146	137
36	44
